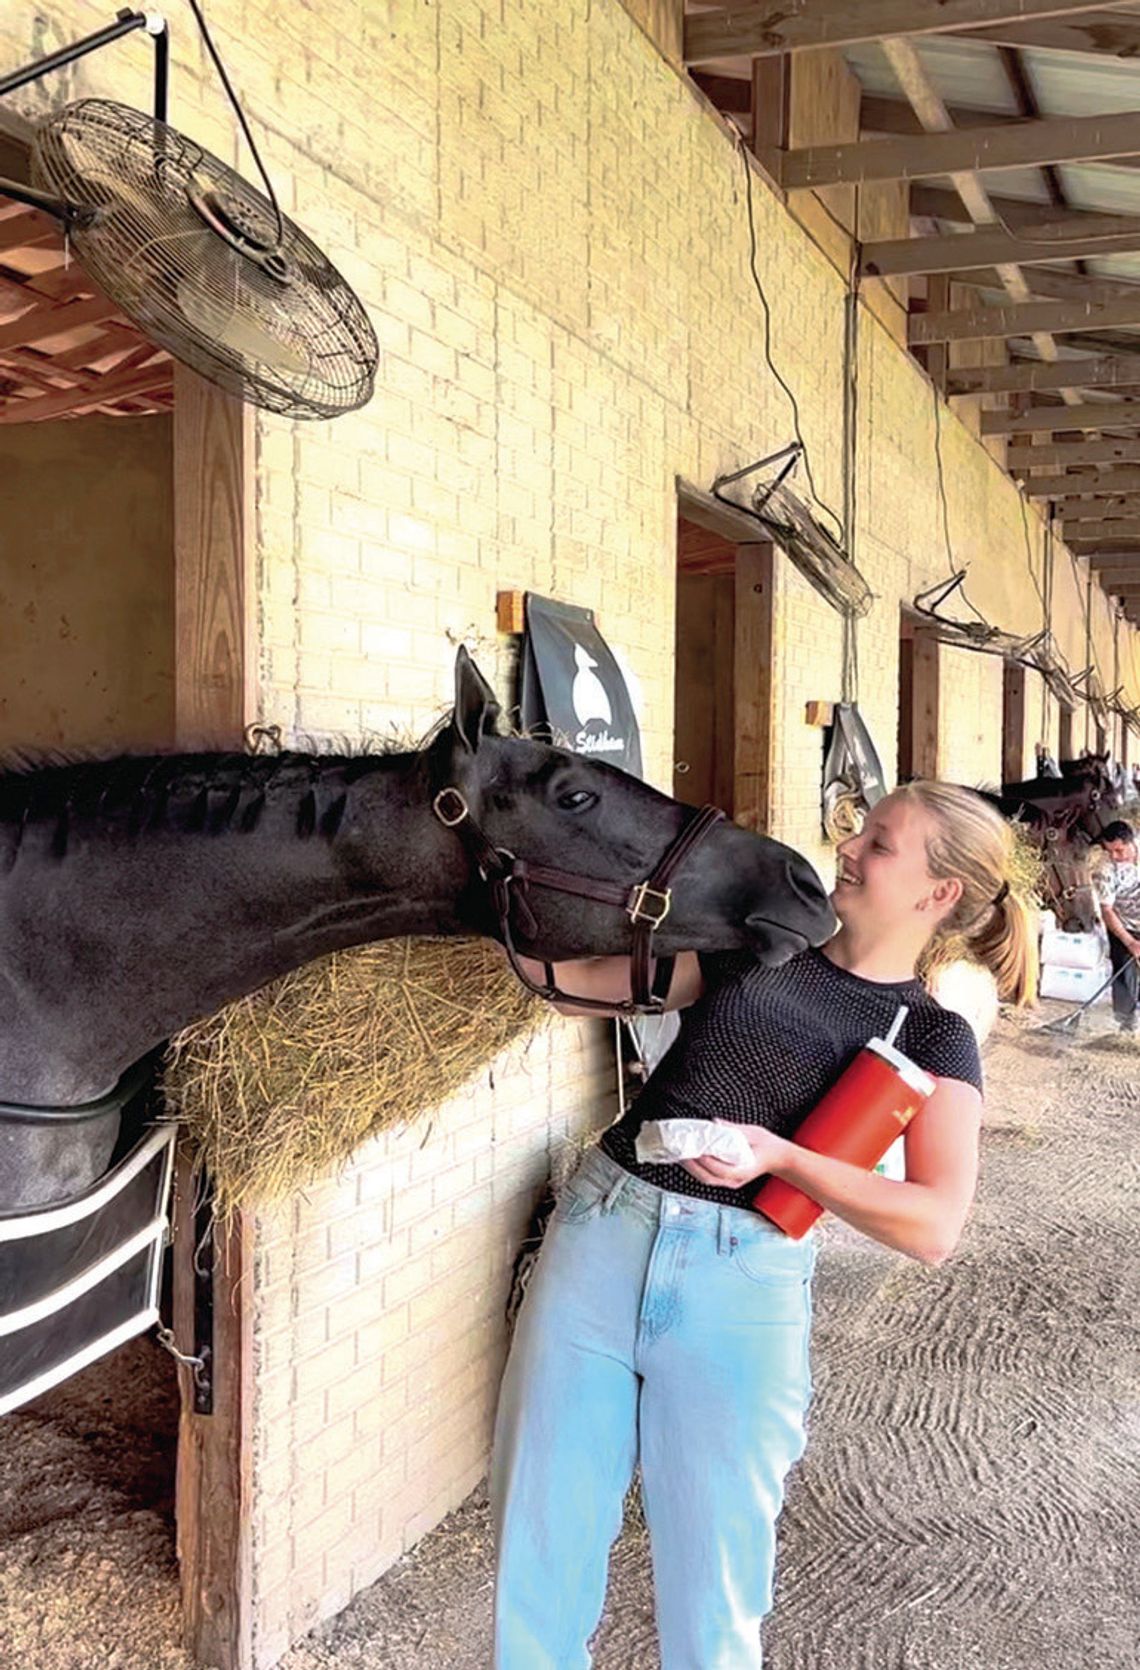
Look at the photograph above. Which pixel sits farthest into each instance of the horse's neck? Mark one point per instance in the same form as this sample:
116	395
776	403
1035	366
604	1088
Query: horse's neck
127	939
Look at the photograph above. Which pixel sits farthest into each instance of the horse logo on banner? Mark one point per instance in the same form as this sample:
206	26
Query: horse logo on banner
572	687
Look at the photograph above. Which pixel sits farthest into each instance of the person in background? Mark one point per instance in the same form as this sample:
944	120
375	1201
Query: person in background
1117	886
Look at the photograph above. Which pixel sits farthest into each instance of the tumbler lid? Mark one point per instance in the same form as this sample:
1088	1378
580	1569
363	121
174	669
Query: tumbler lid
906	1069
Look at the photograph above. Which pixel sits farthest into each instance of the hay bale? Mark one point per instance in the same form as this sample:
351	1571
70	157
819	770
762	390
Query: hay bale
285	1084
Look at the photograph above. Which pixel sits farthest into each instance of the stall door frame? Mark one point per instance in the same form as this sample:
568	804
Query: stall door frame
715	542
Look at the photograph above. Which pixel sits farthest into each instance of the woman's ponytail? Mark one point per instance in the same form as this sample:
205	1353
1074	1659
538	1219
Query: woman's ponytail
993	920
1005	942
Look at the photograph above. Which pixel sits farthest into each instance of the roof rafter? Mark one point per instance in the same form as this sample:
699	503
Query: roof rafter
914	79
1102	533
1076	512
1049	241
1089	487
800	25
1029	376
1125	414
1021	319
1024	144
1107	33
1058	455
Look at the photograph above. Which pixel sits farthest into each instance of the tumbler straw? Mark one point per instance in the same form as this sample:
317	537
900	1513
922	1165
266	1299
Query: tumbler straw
896	1025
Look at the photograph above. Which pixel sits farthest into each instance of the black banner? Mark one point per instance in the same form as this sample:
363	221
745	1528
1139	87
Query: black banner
573	692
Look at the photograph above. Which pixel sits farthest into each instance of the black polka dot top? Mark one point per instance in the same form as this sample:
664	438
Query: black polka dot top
762	1045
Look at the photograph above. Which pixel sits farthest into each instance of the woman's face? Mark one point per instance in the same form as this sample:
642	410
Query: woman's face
882	875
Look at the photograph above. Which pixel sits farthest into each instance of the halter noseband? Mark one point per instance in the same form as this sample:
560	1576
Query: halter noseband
646	903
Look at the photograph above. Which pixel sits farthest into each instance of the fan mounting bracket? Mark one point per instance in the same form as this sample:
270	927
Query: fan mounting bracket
126	22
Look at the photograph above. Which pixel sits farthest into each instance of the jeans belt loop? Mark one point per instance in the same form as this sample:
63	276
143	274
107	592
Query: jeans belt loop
614	1193
723	1232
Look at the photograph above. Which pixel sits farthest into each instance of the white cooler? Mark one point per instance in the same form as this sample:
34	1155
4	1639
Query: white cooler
1083	951
1075	985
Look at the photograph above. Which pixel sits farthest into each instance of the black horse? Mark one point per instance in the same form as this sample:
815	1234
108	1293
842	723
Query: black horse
139	894
1063	816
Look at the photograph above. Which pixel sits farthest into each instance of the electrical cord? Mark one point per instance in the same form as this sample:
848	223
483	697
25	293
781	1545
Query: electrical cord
951	566
207	39
752	261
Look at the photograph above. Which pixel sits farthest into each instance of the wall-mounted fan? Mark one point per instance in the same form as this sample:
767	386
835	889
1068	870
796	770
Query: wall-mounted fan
795	527
202	262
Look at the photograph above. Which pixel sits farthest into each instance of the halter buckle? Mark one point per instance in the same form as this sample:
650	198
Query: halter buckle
450	822
649	904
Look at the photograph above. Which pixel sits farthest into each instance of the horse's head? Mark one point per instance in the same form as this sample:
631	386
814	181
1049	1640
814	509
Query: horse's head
556	809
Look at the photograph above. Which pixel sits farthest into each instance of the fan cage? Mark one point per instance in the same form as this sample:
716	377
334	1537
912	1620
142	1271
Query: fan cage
302	347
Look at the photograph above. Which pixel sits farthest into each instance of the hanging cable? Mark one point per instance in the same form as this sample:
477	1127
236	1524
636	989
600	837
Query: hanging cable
951	566
850	667
752	261
240	114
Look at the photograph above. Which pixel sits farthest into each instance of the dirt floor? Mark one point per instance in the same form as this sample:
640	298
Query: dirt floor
970	1499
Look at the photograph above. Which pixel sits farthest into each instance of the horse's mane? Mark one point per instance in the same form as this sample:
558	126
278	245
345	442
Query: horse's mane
204	793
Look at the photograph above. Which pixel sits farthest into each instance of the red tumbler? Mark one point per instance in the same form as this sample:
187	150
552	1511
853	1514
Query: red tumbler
865	1110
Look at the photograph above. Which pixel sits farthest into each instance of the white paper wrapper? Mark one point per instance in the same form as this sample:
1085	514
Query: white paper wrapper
663	1141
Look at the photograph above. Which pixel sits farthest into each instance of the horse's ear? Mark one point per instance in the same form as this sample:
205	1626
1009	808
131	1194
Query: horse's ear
476	706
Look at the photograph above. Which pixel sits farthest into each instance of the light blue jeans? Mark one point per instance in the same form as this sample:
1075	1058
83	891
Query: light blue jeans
666	1329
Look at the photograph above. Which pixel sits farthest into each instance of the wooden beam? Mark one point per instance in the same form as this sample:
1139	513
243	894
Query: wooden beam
40	323
1005	145
889	115
1090	548
1020	319
800	25
1050	241
1101	532
1075	510
92	395
1108	483
1058	455
27	231
1051	284
752	686
916	82
925	695
1122	372
213	521
1013	723
1043	420
940	203
1107	33
730	93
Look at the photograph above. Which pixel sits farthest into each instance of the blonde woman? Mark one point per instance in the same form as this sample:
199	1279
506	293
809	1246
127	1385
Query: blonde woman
667	1323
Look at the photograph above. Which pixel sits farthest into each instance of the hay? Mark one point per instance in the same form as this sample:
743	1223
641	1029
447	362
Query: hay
284	1085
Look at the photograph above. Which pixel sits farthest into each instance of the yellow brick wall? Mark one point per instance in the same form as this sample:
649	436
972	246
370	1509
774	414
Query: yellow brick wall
548	229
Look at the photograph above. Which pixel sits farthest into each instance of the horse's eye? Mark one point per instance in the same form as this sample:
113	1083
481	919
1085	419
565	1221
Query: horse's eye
577	800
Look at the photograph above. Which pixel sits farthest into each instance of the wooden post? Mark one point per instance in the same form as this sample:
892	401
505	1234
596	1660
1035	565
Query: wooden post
1013	723
213	498
924	736
752	693
938	353
213	456
1065	734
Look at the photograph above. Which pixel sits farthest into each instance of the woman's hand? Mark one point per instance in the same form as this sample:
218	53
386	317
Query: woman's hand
766	1147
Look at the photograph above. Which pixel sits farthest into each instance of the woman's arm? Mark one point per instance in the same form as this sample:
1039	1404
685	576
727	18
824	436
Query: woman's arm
923	1217
609	980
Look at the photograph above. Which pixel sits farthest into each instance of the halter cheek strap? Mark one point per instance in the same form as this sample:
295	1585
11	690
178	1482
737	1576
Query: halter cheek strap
646	903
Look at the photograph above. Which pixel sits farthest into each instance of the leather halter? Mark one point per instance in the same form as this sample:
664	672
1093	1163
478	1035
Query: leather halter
510	879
